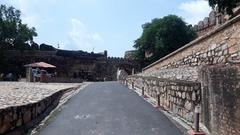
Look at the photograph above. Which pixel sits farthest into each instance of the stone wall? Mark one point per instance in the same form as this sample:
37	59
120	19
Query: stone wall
185	73
17	120
213	21
209	23
213	55
70	64
178	97
217	47
130	54
221	99
113	64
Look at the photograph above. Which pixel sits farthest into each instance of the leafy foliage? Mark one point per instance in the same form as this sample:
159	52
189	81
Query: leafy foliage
14	34
163	36
224	5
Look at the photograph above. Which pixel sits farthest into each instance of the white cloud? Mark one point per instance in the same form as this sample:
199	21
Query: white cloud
83	39
29	15
4	2
194	11
31	20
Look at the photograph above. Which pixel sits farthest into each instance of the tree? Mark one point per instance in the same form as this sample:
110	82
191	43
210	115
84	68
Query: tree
224	6
14	34
163	36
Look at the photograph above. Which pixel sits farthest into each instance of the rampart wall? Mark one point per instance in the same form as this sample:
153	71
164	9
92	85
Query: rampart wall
70	64
210	62
219	46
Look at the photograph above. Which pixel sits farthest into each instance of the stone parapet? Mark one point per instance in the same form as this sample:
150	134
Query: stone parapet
22	109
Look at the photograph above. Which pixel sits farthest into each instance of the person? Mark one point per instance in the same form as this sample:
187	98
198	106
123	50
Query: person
55	74
1	76
9	77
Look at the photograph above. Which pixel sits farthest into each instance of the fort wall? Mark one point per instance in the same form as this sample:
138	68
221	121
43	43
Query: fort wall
210	62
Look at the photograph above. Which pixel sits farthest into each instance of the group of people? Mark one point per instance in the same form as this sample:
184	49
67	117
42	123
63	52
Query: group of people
8	77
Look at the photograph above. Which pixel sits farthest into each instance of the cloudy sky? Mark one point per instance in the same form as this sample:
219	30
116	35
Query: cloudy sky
98	25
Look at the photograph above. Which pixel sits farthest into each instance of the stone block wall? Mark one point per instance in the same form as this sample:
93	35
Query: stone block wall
213	55
179	97
213	20
209	23
221	99
17	120
206	25
219	46
184	73
70	64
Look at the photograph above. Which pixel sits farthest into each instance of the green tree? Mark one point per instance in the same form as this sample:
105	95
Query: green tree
13	33
163	36
224	6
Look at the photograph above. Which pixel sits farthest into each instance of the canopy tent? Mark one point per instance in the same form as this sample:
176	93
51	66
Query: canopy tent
40	65
39	71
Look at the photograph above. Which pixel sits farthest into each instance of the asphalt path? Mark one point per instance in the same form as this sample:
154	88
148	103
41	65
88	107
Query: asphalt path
109	108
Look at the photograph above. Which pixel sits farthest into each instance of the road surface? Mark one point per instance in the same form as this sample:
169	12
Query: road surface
109	108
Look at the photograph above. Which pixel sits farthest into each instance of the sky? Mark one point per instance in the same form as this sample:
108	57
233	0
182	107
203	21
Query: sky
98	25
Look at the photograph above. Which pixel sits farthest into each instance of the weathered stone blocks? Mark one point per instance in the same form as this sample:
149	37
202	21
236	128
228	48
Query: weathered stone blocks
206	50
177	96
17	117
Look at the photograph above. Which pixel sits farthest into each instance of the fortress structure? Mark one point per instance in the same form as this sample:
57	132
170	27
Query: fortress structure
74	64
204	72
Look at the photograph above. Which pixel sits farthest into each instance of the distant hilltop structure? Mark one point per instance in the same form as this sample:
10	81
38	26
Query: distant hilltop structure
130	54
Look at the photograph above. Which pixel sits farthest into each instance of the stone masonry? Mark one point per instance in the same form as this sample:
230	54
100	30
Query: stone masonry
22	105
213	61
217	47
186	73
221	99
72	64
179	97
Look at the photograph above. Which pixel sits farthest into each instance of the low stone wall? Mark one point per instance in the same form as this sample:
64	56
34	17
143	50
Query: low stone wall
179	97
17	116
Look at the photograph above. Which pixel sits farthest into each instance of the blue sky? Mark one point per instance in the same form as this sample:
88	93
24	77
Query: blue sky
98	25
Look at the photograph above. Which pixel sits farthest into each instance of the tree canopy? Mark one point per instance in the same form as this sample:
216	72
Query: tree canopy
13	33
224	6
163	36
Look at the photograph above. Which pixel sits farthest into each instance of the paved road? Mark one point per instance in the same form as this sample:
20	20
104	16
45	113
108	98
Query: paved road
109	108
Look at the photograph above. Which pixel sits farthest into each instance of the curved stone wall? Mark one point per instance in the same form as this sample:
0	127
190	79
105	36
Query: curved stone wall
17	120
